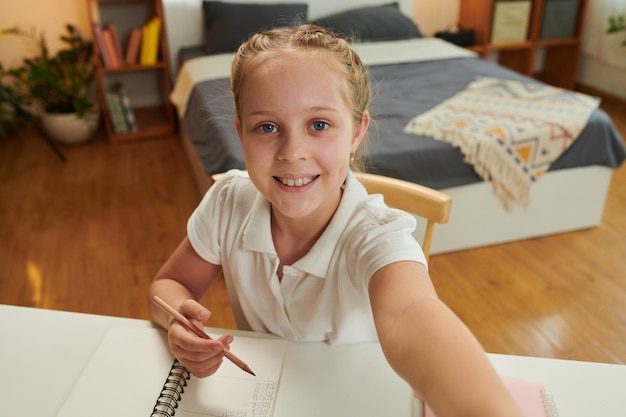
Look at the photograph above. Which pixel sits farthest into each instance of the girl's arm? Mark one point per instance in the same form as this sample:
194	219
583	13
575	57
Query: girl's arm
430	348
181	282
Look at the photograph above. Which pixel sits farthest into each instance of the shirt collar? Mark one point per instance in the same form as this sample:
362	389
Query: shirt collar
257	235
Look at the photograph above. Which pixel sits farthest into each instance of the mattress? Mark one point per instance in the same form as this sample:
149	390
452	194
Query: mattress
408	78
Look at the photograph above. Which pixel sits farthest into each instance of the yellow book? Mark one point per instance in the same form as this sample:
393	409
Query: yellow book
155	41
150	46
143	60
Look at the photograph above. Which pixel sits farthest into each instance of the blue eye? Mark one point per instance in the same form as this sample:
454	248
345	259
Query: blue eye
267	128
319	125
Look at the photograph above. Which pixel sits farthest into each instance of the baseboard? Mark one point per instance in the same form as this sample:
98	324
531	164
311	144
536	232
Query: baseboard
607	98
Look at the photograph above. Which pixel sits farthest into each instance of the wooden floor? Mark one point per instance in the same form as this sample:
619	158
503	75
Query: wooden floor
87	235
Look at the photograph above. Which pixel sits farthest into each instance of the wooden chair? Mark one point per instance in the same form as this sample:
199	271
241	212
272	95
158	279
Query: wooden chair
432	205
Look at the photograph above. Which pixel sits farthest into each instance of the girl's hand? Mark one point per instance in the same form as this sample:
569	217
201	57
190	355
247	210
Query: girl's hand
202	357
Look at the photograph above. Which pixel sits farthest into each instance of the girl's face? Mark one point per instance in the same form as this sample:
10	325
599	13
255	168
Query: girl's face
297	132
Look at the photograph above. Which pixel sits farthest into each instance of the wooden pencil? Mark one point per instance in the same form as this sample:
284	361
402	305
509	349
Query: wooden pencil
199	332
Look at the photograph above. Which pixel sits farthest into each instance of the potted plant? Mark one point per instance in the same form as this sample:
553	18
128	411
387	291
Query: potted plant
60	84
617	24
13	104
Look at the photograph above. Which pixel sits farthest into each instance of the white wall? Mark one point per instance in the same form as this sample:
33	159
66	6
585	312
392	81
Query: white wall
601	76
603	61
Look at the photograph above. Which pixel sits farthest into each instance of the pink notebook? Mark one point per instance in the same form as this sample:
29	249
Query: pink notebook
532	398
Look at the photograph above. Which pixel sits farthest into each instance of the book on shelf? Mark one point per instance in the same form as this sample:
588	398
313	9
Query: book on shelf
115	41
109	47
115	112
151	34
131	55
128	113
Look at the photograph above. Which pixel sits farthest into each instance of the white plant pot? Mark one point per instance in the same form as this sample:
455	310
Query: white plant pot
68	129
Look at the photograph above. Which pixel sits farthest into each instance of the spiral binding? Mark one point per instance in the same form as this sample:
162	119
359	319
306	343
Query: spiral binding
172	391
549	404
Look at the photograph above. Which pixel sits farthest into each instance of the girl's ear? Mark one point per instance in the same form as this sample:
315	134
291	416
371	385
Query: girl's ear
361	130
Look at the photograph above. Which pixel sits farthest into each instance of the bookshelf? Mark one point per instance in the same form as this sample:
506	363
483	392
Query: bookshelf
547	57
145	79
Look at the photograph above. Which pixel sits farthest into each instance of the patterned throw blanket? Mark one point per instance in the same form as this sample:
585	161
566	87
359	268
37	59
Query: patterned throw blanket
509	131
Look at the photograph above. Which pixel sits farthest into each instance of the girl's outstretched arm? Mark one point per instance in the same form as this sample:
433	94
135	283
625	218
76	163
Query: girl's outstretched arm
430	348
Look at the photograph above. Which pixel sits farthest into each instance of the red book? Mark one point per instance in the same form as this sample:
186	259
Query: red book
133	46
117	48
109	47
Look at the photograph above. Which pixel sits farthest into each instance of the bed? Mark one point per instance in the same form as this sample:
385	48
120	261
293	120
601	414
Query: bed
412	75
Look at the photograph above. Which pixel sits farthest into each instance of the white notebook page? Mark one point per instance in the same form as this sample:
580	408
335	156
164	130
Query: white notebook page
127	372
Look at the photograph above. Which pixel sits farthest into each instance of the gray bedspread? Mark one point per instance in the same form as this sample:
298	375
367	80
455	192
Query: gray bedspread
401	91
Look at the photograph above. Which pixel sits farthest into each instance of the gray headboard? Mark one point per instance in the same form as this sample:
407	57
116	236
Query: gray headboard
183	18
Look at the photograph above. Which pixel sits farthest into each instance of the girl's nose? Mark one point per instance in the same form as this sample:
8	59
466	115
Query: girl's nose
293	147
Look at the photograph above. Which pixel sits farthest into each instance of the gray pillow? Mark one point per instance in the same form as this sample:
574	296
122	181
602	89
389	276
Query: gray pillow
372	23
227	25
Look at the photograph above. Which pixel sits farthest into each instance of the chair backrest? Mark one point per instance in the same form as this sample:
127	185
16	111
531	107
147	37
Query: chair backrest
434	206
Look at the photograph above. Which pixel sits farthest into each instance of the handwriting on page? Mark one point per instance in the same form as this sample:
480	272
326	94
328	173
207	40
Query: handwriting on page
262	403
263	399
233	393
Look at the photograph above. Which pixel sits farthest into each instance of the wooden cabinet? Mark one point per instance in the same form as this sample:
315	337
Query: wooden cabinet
147	86
553	60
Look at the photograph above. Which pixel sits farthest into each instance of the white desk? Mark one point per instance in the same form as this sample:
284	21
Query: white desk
43	353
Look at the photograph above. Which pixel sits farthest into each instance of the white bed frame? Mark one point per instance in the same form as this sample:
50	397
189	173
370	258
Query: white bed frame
561	201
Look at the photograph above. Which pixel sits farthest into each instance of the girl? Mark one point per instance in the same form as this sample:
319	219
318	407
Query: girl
306	253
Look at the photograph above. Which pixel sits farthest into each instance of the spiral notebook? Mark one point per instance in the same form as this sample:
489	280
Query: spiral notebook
132	373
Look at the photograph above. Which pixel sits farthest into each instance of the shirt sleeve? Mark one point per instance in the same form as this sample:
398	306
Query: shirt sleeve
396	237
386	241
203	225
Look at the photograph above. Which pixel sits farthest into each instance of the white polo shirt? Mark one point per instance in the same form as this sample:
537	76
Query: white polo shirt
324	295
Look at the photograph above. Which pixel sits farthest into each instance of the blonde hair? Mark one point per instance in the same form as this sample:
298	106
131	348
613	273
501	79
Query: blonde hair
312	39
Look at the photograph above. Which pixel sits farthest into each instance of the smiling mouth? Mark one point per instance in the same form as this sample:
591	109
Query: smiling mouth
298	182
